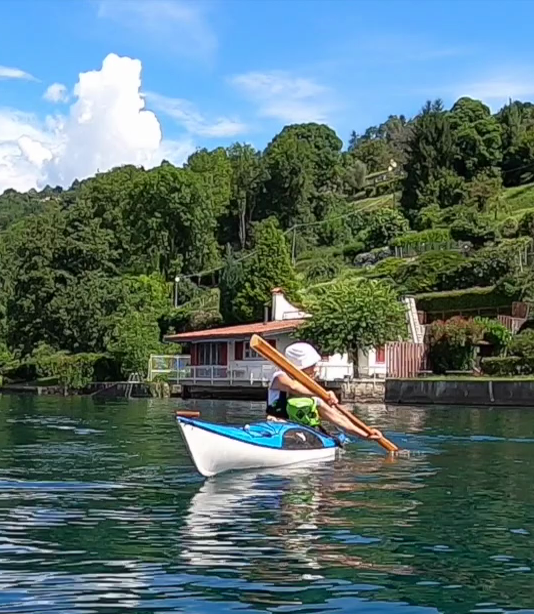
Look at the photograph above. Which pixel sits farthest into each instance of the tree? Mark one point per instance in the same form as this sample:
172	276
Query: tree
517	130
133	338
230	282
383	226
248	174
268	267
477	137
301	161
431	155
351	315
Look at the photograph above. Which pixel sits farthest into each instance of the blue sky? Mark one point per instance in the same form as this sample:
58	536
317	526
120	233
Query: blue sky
214	72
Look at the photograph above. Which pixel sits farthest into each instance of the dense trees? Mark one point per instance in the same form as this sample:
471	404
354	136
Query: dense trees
91	269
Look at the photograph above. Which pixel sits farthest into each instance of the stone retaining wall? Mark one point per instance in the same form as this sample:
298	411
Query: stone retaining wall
512	392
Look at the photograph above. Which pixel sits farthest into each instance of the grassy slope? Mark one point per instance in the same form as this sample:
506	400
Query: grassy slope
517	201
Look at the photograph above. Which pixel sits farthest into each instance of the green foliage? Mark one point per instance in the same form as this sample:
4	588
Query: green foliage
133	338
491	298
268	267
429	169
474	228
323	269
353	314
424	237
423	273
477	137
230	281
496	334
81	265
485	268
72	371
451	344
383	226
503	366
522	345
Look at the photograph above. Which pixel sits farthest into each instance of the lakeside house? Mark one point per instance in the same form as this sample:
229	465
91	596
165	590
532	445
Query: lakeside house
222	357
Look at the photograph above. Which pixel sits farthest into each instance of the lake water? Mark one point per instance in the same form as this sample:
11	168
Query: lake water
101	511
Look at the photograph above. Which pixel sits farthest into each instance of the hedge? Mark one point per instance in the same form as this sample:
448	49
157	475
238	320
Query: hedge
433	235
458	300
503	366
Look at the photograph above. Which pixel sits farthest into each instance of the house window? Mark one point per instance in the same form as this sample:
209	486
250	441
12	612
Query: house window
211	353
250	354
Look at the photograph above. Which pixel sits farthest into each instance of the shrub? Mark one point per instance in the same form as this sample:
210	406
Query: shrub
383	225
389	267
451	344
421	275
432	235
485	268
496	334
73	371
473	227
502	366
523	345
323	270
352	250
526	224
489	298
509	228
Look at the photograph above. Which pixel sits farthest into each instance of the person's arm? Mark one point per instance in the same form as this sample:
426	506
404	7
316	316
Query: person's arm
287	384
338	419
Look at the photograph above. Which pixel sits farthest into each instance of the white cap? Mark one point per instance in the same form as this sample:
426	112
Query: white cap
302	355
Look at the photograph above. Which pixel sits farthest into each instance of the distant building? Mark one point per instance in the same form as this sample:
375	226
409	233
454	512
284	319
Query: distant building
223	357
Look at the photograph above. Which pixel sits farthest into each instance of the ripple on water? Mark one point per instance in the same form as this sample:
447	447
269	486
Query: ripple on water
100	511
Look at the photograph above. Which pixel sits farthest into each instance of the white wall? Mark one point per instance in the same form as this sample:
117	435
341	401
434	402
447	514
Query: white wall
367	365
282	309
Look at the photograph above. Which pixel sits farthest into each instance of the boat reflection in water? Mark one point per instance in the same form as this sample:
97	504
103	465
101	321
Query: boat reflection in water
287	524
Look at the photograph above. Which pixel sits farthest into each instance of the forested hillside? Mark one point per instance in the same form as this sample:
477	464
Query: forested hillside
437	202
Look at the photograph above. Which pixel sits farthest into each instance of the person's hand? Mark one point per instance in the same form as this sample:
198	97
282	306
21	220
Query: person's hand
375	434
332	399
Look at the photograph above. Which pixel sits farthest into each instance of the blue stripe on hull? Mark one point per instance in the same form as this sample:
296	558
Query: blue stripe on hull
266	434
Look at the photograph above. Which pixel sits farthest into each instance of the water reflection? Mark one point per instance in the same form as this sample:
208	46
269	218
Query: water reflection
100	510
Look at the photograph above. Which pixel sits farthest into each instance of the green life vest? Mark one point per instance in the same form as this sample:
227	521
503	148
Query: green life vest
304	411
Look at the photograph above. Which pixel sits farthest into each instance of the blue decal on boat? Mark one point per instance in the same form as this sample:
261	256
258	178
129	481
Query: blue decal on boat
266	434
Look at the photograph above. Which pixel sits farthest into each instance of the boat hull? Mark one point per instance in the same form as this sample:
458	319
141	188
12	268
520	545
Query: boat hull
217	449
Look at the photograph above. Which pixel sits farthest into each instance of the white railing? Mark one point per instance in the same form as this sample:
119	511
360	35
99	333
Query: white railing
330	372
214	374
179	369
173	367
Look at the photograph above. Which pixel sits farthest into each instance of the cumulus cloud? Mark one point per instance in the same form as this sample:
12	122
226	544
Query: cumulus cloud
175	25
106	126
57	92
186	114
282	96
7	72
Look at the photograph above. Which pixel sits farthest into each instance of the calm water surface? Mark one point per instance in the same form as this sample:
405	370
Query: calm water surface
101	511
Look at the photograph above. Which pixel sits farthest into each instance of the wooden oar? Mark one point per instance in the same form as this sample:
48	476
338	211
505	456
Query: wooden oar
261	346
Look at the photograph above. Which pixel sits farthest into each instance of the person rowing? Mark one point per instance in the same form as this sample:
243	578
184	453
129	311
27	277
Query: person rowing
290	400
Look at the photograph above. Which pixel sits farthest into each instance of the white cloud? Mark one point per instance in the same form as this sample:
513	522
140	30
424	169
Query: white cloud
498	89
282	96
187	115
57	92
7	72
106	126
176	25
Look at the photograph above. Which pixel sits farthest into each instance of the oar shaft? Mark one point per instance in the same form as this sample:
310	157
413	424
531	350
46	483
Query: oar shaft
267	351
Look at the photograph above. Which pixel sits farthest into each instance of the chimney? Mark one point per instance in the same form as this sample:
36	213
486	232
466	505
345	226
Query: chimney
265	314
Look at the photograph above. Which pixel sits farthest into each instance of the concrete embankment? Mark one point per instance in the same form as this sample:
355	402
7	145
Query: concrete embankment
479	391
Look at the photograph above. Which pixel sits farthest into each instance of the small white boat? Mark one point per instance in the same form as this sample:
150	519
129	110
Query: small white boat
217	448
